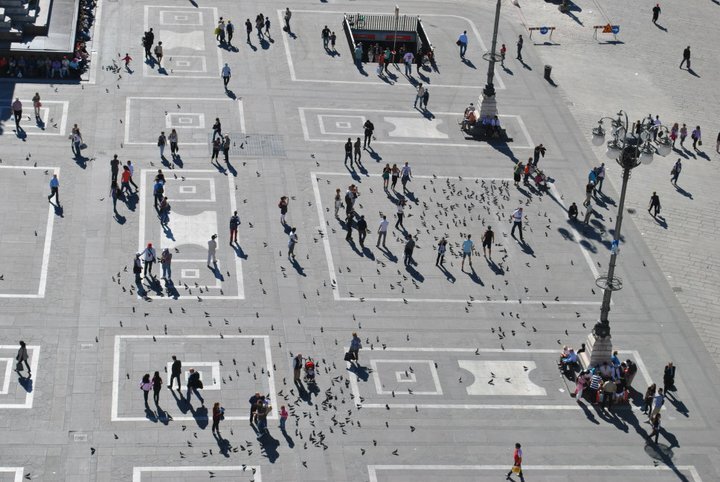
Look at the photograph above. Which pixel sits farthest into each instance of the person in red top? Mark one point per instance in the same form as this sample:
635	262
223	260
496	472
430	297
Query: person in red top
517	464
125	180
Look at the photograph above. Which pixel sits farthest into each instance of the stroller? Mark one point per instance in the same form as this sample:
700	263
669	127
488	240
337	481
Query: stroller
310	371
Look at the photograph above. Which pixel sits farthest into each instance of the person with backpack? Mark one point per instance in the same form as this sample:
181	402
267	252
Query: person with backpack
162	142
194	383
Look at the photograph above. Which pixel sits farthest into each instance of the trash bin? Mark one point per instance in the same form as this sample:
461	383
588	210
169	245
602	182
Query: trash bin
548	70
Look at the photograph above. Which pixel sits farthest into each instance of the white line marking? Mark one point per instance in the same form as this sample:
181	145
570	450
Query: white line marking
433	374
498	77
34	354
137	471
326	236
141	215
238	261
373	469
18	471
331	265
241	110
542	351
94	53
8	373
303	121
116	373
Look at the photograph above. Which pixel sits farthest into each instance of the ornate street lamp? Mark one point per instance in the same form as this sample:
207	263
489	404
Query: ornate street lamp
632	146
488	106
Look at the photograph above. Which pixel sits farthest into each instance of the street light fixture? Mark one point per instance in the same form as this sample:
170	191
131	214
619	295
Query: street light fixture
631	145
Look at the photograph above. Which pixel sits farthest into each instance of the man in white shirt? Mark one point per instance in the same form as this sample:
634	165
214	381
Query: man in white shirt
226	72
149	256
212	247
517	216
382	231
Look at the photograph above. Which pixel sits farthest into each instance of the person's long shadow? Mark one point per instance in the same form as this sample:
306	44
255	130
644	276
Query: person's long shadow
171	290
26	383
167	231
201	417
288	438
177	160
40	123
367	252
230	94
223	444
660	220
141	291
389	255
448	275
703	155
361	69
507	70
469	63
385	79
374	155
131	201
474	277
526	248
677	403
119	218
661	27
182	403
352	244
269	446
162	416
239	251
81	160
59	210
155	286
150	415
414	273
360	371
297	267
588	413
683	192
494	267
231	169
303	394
504	148
693	73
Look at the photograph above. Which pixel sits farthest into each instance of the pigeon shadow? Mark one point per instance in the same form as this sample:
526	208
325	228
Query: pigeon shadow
269	446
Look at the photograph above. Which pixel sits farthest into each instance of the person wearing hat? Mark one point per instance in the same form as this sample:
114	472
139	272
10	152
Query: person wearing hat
149	256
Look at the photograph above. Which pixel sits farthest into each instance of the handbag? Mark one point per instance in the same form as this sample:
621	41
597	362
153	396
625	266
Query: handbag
515	469
348	356
457	43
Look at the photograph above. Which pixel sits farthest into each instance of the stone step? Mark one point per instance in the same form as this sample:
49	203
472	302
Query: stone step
12	35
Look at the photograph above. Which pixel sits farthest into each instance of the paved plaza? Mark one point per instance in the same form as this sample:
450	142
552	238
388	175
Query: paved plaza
458	362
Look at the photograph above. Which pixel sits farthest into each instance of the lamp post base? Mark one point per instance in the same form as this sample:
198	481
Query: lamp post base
488	106
597	350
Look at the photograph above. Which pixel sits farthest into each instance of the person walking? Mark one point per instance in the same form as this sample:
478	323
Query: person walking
488	238
674	133
516	219
54	190
226	148
589	211
225	74
194	383
408	60
218	413
361	227
686	57
382	231
212	248
394	175
253	401
717	143
441	249
369	128
405	175
230	29
655	13
425	98
127	60
149	257
400	214
357	151
158	193
137	268
115	194
600	176
696	137
286	17
131	168
657	403
655	424
519	48
267	26
648	398
503	51
114	168
408	251
675	172
283	417
36	105
248	30
166	264
355	346
157	384
683	134
17	112
538	152
234	223
175	371
125	180
468	246
349	152
283	205
297	368
292	241
349	224
22	358
259	25
517	173
338	202
386	176
159	54
517	464
589	189
669	377
462	42
76	143
654	204
148	40
325	35
419	95
173	139
216	146
146	385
